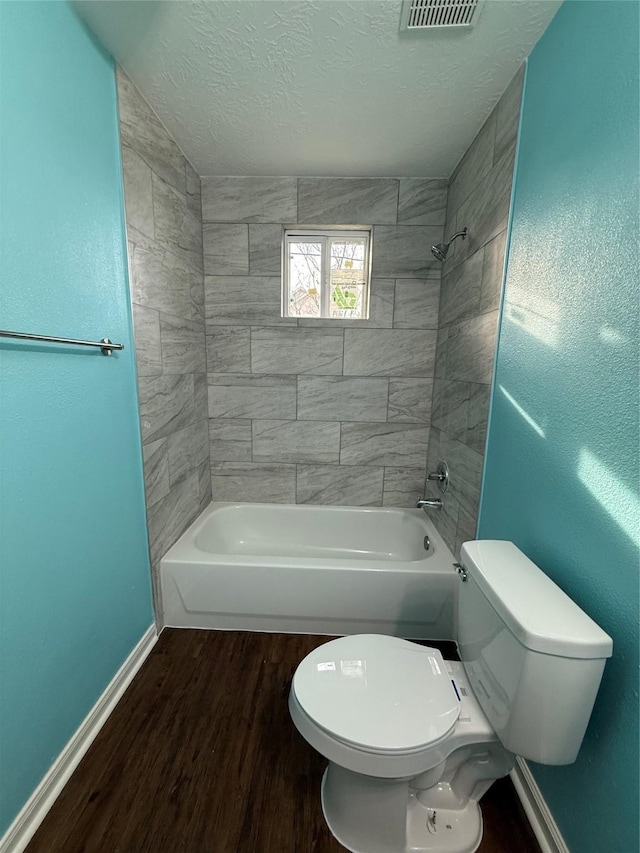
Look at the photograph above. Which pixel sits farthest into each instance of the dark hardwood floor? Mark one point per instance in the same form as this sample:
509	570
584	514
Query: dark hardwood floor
200	756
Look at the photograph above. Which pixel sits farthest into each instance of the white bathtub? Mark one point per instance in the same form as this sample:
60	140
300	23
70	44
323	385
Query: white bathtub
310	569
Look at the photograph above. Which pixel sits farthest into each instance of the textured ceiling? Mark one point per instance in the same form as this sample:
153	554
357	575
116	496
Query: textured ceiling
316	87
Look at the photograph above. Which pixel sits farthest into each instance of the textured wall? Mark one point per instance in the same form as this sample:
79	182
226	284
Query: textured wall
164	231
74	568
479	196
320	411
563	477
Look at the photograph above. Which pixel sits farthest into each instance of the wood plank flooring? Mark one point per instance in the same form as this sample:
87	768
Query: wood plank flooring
200	756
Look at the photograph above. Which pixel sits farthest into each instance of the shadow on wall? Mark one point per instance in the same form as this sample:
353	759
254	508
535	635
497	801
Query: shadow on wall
143	23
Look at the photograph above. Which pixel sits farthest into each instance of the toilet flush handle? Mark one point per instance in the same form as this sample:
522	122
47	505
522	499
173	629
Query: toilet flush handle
461	571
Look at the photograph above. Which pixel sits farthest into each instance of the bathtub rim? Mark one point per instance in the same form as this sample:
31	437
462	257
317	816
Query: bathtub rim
185	550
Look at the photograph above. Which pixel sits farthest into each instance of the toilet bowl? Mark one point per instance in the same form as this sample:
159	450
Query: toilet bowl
413	741
394	719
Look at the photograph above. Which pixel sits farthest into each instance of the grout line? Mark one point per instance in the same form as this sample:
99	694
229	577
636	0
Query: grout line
388	392
393	303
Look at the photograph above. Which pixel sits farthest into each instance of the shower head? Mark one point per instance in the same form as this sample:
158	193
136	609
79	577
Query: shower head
440	249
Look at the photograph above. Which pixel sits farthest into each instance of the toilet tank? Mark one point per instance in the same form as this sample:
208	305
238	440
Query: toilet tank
533	657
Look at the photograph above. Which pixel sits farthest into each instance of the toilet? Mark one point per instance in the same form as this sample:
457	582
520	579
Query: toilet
413	740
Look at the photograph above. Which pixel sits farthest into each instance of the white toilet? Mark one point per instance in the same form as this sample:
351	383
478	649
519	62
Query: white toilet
413	741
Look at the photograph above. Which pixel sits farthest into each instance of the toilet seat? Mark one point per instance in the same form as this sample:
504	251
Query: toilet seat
378	693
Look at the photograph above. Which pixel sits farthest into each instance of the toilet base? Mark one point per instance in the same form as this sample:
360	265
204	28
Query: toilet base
368	821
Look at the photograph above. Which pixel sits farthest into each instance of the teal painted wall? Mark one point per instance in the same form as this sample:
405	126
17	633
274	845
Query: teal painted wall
562	466
74	584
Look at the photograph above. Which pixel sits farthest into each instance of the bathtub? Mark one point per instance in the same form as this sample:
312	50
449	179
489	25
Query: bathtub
310	569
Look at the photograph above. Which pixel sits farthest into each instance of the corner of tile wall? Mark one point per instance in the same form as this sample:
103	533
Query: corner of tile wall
164	234
479	196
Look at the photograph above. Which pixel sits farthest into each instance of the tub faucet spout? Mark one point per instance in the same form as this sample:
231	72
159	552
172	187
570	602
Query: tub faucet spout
429	503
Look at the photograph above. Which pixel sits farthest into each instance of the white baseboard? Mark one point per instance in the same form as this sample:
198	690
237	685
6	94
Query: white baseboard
540	818
35	809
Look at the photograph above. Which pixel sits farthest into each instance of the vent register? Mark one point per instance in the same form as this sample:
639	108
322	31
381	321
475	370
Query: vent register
429	14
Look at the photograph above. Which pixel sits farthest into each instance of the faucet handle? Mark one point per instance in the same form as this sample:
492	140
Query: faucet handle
440	476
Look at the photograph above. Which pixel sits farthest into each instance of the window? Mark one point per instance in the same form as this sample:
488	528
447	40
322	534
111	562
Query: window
326	274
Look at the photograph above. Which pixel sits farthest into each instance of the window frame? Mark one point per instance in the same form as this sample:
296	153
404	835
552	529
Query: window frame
324	236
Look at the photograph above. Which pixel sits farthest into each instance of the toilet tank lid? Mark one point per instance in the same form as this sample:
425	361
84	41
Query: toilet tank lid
539	614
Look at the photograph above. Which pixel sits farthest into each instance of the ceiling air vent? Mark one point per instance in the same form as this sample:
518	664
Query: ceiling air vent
431	14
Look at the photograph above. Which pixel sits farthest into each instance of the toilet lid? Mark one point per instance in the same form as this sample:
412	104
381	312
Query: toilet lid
377	692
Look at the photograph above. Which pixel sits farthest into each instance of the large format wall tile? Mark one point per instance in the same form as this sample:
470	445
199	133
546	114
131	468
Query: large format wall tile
253	481
295	441
403	486
142	131
158	278
342	398
422	201
476	162
410	400
137	177
175	226
243	300
229	349
172	514
404	251
402	445
389	352
479	397
471	348
200	396
493	273
317	351
460	291
451	407
146	325
339	485
183	345
442	346
188	448
193	190
508	116
486	209
249	199
347	201
226	249
265	249
166	404
465	472
230	440
156	470
416	303
249	396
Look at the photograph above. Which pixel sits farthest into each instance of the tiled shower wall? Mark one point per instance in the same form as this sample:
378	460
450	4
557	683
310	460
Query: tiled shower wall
479	197
320	411
311	411
164	231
